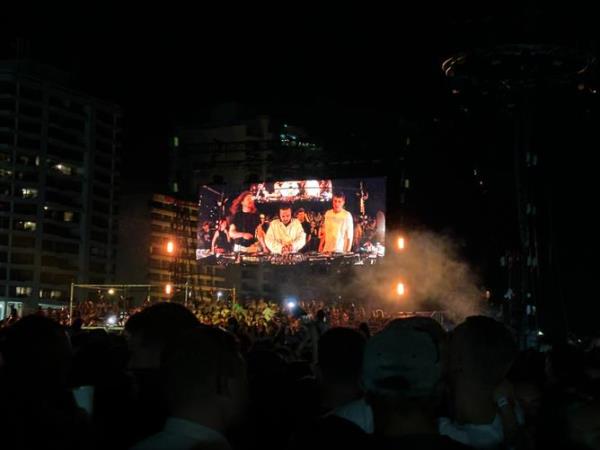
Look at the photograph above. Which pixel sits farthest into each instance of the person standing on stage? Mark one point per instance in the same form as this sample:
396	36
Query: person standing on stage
205	236
261	231
221	242
338	228
285	234
243	224
301	216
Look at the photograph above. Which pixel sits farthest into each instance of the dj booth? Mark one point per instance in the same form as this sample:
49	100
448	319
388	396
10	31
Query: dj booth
293	258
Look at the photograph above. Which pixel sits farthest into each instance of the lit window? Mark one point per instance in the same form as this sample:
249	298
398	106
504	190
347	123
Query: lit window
176	141
175	187
407	183
68	216
55	294
23	290
29	193
5	173
64	169
25	225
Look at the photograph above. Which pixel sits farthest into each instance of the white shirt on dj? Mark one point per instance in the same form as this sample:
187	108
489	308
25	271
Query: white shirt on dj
338	228
279	235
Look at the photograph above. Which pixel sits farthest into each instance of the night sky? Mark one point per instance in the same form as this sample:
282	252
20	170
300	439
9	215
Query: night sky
338	73
165	65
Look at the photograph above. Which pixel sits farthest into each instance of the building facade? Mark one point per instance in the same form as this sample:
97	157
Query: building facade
158	247
59	173
236	151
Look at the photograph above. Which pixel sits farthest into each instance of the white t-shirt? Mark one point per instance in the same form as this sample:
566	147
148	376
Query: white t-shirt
181	434
338	227
358	412
483	436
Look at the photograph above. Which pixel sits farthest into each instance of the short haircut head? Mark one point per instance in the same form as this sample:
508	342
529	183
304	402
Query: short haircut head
160	323
285	206
485	348
339	195
197	362
340	354
36	350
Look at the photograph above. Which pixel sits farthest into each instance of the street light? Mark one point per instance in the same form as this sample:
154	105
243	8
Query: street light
170	247
111	291
401	243
400	289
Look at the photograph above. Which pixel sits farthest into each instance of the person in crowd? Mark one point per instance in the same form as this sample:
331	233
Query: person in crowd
402	376
148	333
206	391
37	408
482	402
363	328
339	367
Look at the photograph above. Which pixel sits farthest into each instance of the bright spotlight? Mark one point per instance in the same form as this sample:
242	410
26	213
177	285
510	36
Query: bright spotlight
111	291
401	243
170	247
168	289
400	290
111	320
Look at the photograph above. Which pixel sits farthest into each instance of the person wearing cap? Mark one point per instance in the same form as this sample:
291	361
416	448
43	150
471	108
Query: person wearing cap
402	377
